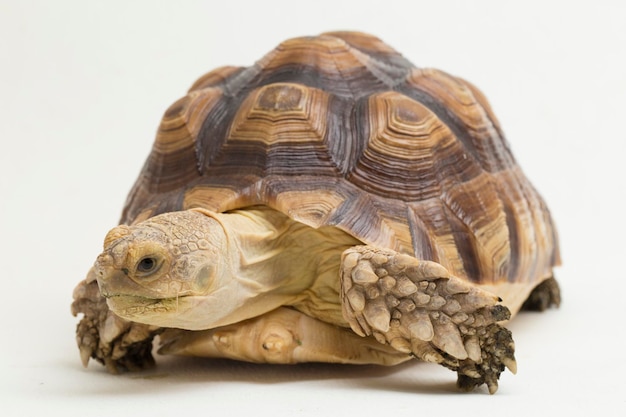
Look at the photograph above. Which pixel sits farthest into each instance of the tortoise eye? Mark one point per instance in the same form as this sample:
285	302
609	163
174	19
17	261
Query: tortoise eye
147	265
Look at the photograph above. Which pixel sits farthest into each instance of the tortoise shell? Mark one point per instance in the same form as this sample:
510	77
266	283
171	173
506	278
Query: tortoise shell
341	130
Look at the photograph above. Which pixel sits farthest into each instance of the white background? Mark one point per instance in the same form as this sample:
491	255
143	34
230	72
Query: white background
82	89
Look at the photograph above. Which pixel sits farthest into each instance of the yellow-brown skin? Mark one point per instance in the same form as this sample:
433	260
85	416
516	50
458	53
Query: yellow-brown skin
235	272
211	269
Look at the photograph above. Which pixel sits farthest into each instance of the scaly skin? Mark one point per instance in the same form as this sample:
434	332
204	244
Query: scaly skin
544	296
417	307
283	336
219	274
118	344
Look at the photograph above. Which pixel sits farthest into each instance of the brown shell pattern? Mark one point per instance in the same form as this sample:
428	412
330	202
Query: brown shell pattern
341	130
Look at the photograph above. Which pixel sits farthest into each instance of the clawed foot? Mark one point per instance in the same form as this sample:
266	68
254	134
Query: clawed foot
118	344
418	308
544	296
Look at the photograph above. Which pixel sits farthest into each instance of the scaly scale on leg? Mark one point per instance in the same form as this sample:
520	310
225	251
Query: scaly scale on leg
418	307
118	344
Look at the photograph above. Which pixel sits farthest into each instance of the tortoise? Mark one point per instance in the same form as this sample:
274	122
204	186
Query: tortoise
330	203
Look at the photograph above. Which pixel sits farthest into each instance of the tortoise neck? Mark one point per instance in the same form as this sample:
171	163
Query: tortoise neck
284	262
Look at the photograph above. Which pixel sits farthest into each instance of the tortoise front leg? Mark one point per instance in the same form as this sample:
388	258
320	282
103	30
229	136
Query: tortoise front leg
118	344
418	307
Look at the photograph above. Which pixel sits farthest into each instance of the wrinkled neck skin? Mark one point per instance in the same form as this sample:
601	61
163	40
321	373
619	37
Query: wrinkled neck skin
272	261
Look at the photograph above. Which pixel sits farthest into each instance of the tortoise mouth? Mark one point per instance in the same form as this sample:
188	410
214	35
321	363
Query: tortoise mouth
132	306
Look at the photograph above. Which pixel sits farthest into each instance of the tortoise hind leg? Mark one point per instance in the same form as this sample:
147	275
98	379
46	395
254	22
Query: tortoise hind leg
543	296
417	307
281	336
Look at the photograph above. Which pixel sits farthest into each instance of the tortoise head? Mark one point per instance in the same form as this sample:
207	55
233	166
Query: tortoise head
155	272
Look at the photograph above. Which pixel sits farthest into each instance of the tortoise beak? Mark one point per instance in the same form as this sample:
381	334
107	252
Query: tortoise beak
108	276
110	269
